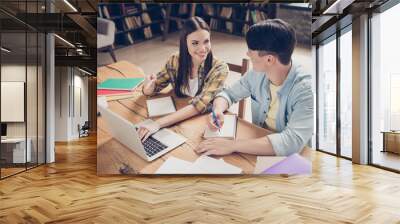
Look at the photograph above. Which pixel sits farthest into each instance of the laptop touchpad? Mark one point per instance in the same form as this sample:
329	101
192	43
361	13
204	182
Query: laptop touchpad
168	137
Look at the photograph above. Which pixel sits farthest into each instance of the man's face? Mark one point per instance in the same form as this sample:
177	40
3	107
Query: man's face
260	63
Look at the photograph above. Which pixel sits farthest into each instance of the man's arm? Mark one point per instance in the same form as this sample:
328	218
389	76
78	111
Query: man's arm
299	128
218	146
239	90
291	140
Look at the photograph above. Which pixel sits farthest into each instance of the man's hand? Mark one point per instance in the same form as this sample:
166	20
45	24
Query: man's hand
214	122
216	146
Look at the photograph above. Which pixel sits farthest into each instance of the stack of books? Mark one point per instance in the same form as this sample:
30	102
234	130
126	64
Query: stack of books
133	22
118	88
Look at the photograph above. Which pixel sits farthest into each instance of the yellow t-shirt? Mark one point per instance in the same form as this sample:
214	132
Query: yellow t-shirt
273	107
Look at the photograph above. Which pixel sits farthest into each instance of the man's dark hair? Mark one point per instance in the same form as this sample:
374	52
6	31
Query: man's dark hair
272	36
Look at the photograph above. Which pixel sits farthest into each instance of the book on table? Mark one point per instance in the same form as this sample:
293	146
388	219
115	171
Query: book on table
120	84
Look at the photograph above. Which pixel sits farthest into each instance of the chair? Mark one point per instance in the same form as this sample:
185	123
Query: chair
241	69
105	36
84	130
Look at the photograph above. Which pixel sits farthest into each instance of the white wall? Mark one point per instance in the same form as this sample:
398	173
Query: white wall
12	73
69	85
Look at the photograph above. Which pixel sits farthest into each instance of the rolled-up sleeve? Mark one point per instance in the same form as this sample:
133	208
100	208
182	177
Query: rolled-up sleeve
239	90
299	128
212	86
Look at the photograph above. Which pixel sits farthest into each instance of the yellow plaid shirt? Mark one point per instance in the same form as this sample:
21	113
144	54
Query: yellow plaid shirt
209	84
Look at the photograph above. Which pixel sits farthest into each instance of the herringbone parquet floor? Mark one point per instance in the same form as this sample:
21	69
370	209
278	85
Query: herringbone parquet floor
70	192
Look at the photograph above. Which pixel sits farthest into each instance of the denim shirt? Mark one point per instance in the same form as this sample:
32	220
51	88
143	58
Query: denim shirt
295	117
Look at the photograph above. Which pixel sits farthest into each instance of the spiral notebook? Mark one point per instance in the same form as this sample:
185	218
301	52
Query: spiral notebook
228	130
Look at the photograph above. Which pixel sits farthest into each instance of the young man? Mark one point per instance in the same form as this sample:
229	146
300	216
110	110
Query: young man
281	96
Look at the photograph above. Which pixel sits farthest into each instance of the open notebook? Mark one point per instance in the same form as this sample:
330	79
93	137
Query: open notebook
160	106
228	130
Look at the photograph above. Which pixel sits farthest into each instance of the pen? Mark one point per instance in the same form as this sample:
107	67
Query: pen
216	120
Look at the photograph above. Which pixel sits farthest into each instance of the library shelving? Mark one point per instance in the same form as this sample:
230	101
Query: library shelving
134	22
138	22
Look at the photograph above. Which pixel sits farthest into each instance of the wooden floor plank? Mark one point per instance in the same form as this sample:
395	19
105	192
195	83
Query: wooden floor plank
69	191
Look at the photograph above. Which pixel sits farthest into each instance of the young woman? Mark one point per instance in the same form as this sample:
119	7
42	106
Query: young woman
193	72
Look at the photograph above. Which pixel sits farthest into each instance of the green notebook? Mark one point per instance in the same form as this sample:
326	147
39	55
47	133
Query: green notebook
120	84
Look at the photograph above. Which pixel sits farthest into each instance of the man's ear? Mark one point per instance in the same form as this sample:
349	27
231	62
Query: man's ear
270	59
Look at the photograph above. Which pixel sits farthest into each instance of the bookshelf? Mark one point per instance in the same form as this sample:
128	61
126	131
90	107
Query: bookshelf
236	18
138	22
134	22
177	13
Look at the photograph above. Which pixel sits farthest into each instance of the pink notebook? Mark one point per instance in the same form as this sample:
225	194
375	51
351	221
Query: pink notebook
107	92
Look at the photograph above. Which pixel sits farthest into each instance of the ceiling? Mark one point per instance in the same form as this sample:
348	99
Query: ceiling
21	20
330	15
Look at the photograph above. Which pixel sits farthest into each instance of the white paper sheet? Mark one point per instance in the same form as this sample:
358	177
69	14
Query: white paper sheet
173	166
203	165
208	165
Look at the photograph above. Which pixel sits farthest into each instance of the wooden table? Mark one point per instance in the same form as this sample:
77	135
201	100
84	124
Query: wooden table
115	158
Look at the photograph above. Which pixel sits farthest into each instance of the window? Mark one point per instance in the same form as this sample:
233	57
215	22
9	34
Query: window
327	96
385	85
346	93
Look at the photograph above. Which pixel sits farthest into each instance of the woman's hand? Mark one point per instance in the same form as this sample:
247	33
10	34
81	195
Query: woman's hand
149	84
216	146
147	129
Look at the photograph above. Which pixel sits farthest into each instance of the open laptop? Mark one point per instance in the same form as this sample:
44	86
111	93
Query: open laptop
125	132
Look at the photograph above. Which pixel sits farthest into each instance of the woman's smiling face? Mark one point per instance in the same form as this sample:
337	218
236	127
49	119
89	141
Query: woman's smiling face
199	45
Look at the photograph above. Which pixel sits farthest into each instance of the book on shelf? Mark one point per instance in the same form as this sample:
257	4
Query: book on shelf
226	12
247	17
258	16
147	32
163	13
146	18
208	9
245	28
129	9
133	22
129	38
144	6
100	10
106	12
213	24
183	9
229	26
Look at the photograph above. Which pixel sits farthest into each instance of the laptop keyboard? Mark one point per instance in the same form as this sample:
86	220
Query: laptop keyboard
152	146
